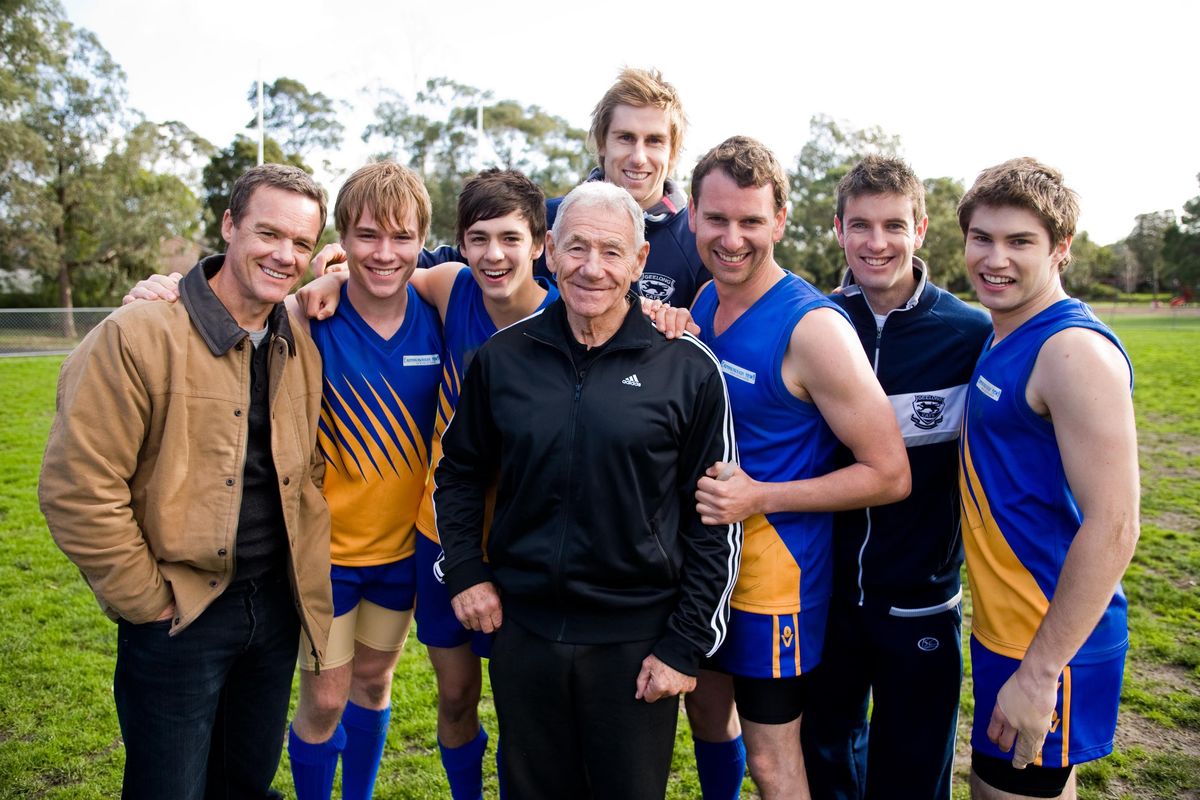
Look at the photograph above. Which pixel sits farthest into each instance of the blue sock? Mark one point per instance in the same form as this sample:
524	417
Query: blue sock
464	767
313	765
366	733
721	767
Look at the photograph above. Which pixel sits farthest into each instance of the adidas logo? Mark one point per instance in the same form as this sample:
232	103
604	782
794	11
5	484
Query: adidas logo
632	381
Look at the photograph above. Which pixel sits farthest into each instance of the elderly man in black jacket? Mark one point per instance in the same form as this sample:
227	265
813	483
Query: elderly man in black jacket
603	583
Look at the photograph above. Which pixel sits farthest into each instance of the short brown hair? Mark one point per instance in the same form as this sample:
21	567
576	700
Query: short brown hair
639	88
1031	185
274	176
748	162
390	191
877	174
496	192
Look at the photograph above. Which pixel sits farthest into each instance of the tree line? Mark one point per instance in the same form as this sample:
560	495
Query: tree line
92	194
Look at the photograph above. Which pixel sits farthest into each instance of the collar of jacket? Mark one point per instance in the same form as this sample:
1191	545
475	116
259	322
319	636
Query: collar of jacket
635	331
214	322
852	289
673	201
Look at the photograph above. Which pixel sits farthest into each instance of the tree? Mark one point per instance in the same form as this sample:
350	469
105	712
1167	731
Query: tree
223	170
810	246
1092	272
1181	250
943	247
1145	243
436	135
301	121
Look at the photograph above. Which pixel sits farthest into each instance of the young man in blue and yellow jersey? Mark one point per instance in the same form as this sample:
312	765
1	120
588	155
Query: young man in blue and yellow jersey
501	230
798	386
1049	482
382	361
893	640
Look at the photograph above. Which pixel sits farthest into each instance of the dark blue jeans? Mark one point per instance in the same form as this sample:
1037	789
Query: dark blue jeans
203	713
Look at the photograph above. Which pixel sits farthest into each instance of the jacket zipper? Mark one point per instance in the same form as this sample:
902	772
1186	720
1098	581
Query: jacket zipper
862	594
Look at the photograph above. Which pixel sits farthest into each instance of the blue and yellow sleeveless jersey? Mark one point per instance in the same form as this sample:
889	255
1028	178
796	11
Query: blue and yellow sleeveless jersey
1019	515
377	418
466	328
781	599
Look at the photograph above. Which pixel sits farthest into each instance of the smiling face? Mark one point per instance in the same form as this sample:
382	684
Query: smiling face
879	234
595	260
636	152
382	256
267	252
1012	263
501	252
736	229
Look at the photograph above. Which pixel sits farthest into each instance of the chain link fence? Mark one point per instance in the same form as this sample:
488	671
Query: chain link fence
45	331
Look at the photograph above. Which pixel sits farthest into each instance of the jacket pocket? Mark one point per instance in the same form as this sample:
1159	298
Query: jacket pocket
672	573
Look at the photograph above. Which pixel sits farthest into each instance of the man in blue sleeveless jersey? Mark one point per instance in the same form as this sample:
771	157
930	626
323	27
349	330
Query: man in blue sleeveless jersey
798	385
894	626
1049	482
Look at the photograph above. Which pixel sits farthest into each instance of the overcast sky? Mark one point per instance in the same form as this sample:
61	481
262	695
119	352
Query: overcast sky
1104	95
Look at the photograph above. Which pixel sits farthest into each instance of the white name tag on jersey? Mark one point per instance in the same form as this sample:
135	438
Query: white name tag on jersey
986	386
734	371
430	360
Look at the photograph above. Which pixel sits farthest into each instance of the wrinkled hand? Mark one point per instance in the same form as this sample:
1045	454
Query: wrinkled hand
1023	713
671	322
319	299
156	287
726	494
478	607
332	258
657	680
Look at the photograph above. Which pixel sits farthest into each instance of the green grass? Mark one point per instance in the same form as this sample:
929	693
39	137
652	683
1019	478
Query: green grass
58	729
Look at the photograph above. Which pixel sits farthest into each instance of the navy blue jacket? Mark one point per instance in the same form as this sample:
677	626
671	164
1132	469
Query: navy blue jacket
907	555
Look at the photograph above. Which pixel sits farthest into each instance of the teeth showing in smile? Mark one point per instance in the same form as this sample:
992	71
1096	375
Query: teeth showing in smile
384	273
279	276
636	176
876	261
732	258
996	280
495	273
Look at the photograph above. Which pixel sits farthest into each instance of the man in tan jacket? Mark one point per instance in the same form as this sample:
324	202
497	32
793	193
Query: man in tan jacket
181	478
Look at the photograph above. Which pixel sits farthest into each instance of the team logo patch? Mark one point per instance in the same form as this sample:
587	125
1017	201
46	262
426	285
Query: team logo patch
927	411
928	644
988	388
654	286
430	360
787	636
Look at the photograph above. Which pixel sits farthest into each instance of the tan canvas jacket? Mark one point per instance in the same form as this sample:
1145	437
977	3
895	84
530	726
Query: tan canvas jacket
141	481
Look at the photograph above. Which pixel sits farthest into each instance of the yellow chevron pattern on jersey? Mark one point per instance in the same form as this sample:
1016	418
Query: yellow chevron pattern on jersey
376	470
1008	603
769	578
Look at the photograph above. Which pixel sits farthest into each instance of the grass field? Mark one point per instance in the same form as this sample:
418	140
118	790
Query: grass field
58	728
